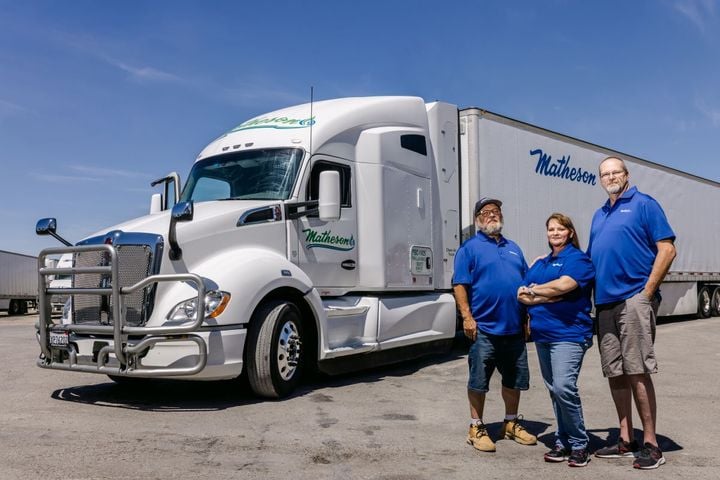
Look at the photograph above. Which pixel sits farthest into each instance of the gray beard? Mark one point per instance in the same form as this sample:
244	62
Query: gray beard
490	230
613	189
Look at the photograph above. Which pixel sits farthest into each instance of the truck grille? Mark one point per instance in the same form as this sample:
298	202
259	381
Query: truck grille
135	262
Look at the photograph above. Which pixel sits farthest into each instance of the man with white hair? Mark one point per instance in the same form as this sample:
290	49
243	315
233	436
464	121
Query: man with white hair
489	269
631	246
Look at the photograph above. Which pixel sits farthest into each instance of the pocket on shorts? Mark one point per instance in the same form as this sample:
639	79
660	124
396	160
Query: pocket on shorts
641	297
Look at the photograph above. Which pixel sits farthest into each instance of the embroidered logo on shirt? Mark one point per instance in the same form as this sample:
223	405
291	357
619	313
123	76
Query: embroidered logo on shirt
625	210
514	253
557	264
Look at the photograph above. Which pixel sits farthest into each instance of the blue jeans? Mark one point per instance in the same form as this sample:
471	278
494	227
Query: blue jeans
505	353
560	364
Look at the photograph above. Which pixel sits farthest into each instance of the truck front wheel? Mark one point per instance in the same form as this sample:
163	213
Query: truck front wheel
274	349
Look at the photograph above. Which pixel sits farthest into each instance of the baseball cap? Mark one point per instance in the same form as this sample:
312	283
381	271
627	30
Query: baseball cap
485	201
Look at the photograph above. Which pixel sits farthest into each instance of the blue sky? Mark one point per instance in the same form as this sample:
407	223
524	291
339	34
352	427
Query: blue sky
99	98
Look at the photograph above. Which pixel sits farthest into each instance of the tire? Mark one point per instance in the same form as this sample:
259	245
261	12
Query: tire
274	349
704	303
715	302
15	308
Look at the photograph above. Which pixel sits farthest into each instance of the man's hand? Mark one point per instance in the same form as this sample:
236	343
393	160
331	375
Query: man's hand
463	306
470	328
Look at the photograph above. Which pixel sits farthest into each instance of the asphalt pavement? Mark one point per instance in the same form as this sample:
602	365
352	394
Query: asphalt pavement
407	421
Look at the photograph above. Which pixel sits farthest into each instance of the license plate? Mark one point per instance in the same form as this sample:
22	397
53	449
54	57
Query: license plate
58	339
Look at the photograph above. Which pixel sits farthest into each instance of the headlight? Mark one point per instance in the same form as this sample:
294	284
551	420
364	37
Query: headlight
215	303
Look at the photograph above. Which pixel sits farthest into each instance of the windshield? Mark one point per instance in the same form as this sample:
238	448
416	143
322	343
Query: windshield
250	175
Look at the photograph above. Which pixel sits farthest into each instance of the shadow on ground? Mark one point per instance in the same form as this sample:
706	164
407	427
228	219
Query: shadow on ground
188	396
602	437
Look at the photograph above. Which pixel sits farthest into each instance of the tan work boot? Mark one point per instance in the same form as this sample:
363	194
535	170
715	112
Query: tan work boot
515	431
478	437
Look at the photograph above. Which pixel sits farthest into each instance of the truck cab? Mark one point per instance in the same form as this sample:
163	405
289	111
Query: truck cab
316	235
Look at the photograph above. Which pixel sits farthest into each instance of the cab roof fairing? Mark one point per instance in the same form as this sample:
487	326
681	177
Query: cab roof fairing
338	121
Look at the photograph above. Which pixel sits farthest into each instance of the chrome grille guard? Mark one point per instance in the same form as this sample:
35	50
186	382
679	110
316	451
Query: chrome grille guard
128	354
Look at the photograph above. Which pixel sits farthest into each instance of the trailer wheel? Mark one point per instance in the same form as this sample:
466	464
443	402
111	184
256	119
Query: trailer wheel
715	302
274	353
14	308
704	303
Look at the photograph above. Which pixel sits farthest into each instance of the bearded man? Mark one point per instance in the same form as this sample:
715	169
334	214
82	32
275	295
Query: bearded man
489	269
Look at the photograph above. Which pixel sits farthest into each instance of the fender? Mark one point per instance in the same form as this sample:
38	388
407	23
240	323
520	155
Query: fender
249	275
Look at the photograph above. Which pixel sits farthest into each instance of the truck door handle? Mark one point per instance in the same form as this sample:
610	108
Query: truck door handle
348	264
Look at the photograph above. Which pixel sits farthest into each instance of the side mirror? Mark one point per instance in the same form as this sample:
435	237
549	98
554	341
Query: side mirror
181	212
168	192
329	196
155	203
48	226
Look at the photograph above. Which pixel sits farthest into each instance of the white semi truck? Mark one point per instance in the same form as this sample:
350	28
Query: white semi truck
323	235
18	282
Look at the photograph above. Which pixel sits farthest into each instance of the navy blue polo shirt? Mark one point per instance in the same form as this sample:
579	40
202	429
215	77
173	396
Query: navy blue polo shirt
569	319
623	244
493	271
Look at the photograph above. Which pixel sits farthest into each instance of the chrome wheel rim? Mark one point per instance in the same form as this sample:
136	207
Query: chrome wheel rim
288	352
705	299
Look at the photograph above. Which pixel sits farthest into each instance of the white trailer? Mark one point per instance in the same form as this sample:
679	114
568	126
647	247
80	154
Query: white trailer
536	172
324	235
18	282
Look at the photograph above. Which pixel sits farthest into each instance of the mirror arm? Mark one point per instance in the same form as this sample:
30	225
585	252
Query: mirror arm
292	213
60	239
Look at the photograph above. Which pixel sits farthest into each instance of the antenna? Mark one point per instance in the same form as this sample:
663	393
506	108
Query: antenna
311	117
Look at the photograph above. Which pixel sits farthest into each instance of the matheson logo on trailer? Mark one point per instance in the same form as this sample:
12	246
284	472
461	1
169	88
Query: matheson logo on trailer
561	168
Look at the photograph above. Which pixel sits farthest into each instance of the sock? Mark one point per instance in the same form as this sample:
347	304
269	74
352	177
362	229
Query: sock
510	417
476	421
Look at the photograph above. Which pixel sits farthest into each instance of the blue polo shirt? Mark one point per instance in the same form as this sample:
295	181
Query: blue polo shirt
623	244
493	271
569	319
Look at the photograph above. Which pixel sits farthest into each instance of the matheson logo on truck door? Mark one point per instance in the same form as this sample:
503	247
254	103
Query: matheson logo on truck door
326	239
561	168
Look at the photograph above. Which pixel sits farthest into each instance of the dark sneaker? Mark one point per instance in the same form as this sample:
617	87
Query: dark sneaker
579	458
557	454
622	449
650	457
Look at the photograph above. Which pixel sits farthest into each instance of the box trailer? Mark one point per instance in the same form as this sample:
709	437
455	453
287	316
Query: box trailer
537	171
18	282
323	235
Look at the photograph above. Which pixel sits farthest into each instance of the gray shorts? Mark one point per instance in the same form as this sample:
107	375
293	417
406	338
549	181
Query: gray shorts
626	336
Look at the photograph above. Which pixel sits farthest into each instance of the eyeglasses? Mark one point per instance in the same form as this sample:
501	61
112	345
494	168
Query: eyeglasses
614	173
487	213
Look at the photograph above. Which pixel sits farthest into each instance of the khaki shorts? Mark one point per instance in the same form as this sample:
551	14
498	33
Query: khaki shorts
626	336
